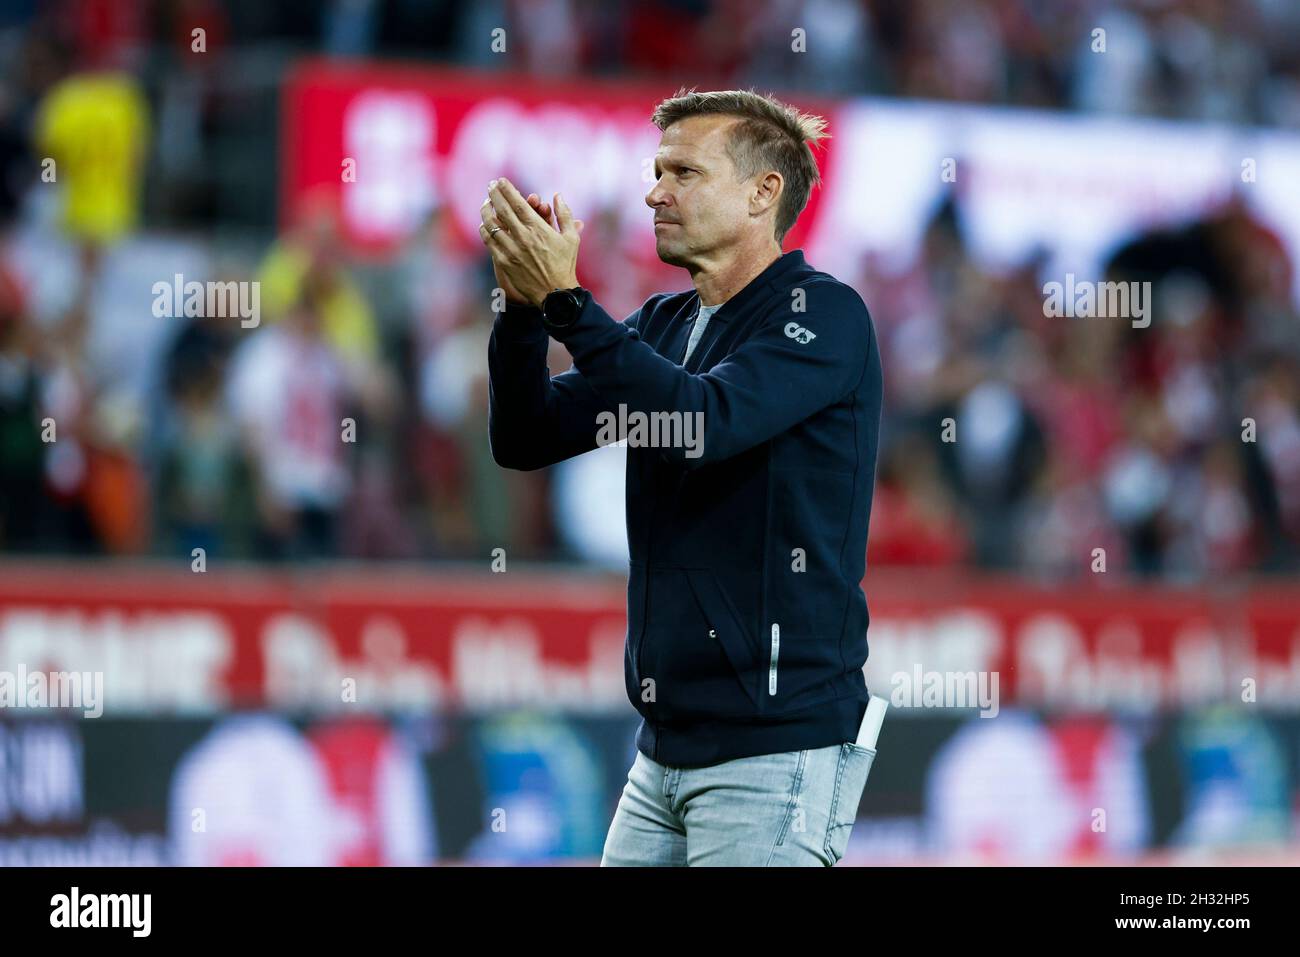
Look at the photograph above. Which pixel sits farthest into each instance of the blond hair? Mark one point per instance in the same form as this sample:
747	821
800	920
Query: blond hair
771	135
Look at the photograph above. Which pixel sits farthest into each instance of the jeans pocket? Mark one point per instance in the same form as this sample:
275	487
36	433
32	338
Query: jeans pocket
851	772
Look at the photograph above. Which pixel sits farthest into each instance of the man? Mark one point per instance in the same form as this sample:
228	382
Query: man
746	623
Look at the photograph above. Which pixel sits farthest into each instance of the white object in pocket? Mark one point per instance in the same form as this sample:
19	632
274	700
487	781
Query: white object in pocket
869	730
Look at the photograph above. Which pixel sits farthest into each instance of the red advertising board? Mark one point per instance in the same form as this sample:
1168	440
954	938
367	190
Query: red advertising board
173	641
382	145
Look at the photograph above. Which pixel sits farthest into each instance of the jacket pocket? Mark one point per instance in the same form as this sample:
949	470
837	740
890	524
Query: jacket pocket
695	651
807	592
727	627
636	594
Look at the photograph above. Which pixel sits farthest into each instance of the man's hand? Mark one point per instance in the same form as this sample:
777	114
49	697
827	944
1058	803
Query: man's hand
529	255
489	221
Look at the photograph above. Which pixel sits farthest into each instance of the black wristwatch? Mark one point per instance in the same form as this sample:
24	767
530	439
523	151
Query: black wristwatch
561	307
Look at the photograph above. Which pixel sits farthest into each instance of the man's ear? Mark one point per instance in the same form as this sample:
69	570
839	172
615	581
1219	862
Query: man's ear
767	193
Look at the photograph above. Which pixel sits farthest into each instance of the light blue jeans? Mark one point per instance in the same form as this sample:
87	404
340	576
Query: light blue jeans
794	808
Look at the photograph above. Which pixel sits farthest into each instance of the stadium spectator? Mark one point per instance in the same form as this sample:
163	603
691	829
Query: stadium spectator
288	393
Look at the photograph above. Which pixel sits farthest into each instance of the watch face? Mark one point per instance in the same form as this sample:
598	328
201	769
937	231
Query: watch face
561	307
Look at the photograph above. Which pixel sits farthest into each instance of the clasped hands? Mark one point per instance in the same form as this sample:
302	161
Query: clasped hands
534	246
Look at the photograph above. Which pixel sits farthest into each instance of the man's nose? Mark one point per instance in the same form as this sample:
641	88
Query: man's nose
656	197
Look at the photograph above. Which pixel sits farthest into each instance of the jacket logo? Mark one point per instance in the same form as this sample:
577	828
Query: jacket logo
798	333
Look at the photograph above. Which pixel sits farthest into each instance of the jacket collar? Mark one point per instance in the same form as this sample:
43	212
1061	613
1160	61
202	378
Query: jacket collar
757	287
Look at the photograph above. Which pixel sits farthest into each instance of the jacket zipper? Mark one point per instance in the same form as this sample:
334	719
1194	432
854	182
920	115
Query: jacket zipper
771	668
649	563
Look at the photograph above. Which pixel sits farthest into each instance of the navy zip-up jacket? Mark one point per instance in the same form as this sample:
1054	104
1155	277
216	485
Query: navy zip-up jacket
746	620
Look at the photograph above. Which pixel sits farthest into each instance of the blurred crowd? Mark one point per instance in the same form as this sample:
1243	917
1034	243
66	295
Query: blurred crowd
1173	448
1192	59
350	421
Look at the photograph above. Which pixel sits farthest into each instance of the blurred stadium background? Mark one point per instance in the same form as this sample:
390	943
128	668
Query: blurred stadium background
337	152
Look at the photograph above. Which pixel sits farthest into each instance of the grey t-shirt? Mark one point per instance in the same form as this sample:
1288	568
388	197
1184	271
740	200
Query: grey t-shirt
701	320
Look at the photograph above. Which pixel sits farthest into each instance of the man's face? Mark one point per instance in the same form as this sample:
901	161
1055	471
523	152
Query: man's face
700	205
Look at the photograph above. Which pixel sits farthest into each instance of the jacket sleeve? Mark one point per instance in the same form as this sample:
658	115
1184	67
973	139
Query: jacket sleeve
534	419
797	363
